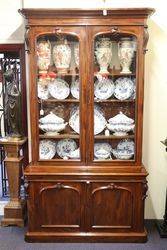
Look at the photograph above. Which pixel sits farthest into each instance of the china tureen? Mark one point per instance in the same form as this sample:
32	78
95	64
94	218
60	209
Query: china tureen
120	124
52	124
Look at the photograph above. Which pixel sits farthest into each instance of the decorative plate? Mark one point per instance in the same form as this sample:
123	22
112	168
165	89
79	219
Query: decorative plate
123	154
75	89
133	96
103	145
124	88
59	89
65	147
104	88
74	120
43	92
47	149
74	154
127	145
99	121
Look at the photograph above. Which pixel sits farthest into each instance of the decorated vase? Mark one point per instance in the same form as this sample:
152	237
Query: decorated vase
103	54
62	56
125	54
44	56
76	54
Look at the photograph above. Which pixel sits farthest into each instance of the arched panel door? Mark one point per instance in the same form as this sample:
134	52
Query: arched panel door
111	206
57	92
114	89
61	206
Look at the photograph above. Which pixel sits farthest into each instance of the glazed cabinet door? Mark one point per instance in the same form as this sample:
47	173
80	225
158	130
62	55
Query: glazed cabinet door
115	206
57	92
56	206
115	95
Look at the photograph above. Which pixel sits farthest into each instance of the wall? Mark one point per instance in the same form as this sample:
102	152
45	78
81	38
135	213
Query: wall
155	118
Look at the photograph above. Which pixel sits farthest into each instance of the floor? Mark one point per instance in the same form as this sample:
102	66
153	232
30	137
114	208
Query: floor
12	238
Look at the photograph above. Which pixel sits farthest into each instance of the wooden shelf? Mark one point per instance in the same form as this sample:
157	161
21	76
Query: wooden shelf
60	160
114	100
103	137
64	100
60	136
115	73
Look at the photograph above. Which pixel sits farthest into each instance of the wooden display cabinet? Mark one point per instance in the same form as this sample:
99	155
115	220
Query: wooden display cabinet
86	197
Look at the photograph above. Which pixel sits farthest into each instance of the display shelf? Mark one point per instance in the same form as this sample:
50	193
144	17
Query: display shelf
114	74
60	160
114	100
104	137
60	136
52	100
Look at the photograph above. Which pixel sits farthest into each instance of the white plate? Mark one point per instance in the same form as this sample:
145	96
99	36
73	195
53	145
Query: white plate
47	149
59	89
126	144
65	147
74	154
74	120
103	145
123	154
75	89
43	92
104	88
99	121
124	88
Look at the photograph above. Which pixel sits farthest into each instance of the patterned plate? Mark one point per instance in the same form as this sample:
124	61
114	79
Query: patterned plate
126	144
65	147
99	121
59	89
47	149
124	88
74	120
75	89
104	88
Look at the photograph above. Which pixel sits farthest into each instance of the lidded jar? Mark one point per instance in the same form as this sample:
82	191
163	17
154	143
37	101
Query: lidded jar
103	54
62	55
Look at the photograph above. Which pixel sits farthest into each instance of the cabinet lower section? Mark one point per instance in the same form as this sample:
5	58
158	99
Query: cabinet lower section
86	208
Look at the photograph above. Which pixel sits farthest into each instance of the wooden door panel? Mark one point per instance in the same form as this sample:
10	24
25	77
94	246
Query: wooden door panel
61	206
111	206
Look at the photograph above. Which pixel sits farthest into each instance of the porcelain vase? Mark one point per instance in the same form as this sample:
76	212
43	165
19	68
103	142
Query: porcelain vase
103	54
44	56
76	54
125	54
62	56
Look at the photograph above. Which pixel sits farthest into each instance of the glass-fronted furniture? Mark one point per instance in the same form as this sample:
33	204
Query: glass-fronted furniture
86	179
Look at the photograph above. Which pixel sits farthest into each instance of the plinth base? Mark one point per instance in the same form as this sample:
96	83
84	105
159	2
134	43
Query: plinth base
14	214
162	228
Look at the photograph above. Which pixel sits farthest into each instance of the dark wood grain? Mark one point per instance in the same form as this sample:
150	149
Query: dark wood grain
87	200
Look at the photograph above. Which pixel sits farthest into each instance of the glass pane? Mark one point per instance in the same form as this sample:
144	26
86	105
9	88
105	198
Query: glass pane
58	88
114	97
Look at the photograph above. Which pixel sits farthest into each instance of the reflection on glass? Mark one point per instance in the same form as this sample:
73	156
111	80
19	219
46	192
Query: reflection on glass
114	97
58	90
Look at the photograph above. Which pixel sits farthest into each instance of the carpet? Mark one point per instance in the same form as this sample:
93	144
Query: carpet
12	238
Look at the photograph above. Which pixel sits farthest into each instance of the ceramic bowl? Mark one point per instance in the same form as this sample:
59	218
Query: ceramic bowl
52	129
120	129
